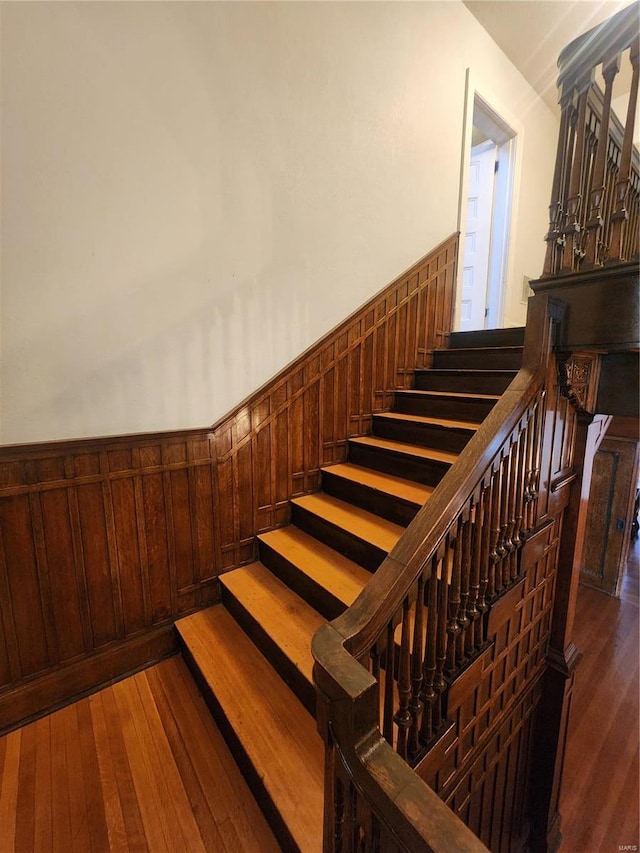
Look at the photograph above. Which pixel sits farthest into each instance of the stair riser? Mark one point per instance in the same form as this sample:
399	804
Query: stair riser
240	756
304	690
464	383
315	594
425	471
487	338
452	408
363	553
486	359
427	435
389	507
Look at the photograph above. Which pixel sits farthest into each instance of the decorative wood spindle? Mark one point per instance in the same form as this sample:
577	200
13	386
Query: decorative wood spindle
485	562
387	723
518	537
571	229
504	548
417	652
494	556
439	684
554	237
620	213
453	606
513	488
473	610
428	694
595	222
464	620
402	717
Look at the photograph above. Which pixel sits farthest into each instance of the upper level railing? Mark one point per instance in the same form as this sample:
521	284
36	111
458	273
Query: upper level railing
595	197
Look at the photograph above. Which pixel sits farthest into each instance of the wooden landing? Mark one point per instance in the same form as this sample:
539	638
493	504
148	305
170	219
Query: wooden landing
138	766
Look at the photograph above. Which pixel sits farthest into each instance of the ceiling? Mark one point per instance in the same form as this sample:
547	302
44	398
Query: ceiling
533	32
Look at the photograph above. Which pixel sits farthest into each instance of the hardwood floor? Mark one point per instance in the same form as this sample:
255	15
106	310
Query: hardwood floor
138	766
599	804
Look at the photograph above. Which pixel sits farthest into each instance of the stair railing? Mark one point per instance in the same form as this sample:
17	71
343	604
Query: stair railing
382	667
593	215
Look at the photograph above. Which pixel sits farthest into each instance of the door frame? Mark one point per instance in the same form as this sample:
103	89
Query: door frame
509	135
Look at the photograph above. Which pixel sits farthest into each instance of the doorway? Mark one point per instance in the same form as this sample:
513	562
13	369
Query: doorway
486	204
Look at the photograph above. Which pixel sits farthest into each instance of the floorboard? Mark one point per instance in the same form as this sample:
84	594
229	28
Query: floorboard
139	766
600	796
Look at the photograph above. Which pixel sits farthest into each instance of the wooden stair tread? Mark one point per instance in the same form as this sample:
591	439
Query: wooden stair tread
406	448
407	490
423	419
464	394
288	620
340	576
365	525
277	734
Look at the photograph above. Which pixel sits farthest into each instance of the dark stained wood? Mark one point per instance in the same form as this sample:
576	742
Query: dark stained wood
102	540
595	196
137	766
437	575
609	514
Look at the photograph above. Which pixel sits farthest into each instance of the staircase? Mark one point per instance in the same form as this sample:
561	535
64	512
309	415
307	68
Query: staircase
251	654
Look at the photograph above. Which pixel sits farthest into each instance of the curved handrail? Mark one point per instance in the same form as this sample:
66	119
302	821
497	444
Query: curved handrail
588	50
348	692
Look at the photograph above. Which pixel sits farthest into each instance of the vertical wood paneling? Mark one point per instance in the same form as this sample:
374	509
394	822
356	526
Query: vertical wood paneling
103	539
100	592
65	595
157	547
23	585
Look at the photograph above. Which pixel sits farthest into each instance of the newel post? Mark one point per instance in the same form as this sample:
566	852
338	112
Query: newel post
563	656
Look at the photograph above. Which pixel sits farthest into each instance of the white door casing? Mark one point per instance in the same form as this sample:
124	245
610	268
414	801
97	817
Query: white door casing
477	236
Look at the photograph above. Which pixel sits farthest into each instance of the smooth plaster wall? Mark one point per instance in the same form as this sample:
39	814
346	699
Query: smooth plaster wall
193	193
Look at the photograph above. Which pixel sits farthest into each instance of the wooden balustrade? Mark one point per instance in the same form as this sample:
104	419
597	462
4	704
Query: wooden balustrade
596	185
384	668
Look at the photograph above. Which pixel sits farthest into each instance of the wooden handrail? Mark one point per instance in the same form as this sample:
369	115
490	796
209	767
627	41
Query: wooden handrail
494	478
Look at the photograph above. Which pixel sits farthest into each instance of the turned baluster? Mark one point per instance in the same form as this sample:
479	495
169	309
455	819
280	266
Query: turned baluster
554	238
537	446
387	722
439	684
595	222
513	497
530	463
464	619
485	561
473	609
453	608
428	694
505	518
415	705
571	229
620	213
402	717
518	536
494	555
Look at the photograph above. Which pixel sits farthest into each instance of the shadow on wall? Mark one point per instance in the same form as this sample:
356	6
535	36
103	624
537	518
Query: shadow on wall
153	385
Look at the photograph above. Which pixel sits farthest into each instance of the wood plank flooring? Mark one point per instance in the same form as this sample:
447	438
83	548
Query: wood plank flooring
139	766
599	801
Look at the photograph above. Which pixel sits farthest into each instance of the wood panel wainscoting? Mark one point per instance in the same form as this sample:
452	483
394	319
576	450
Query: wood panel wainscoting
105	542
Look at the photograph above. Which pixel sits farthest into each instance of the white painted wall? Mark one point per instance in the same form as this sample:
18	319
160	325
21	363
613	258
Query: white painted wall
195	192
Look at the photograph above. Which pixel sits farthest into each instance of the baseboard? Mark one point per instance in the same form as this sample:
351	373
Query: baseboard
43	695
